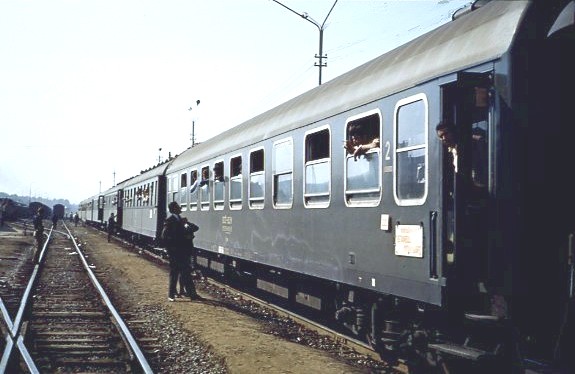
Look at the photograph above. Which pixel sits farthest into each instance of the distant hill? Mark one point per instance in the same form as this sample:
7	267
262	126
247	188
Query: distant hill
70	208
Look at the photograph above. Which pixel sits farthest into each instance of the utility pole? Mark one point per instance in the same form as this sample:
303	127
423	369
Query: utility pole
194	124
306	16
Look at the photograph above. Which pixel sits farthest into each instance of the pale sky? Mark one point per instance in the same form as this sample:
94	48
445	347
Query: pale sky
90	90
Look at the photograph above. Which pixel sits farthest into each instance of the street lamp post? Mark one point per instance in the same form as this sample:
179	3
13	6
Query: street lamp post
194	124
321	27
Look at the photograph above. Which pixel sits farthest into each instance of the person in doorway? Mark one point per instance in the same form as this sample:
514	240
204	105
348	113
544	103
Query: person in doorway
176	244
446	133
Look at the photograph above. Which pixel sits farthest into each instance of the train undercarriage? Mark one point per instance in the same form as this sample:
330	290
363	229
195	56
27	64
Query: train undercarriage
425	338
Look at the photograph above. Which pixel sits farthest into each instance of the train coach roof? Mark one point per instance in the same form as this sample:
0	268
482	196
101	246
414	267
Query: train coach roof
482	35
145	176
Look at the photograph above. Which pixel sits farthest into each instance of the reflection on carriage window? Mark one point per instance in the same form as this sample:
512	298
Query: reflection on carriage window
411	150
411	174
204	189
283	188
257	179
194	189
317	168
362	174
219	185
282	161
236	182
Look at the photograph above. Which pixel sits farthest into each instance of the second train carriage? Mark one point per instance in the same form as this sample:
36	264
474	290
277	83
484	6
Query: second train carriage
85	209
113	203
143	207
91	211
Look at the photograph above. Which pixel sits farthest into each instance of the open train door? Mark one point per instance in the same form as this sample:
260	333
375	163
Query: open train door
467	106
120	209
101	203
557	83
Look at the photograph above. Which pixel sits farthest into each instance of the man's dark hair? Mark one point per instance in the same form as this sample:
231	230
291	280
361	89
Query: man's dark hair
445	125
172	206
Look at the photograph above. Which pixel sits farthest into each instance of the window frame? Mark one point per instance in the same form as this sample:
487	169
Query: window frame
235	203
425	146
193	205
275	204
183	189
313	200
257	202
367	202
204	205
219	203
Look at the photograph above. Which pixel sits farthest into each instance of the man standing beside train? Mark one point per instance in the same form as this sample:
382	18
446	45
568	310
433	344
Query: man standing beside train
111	226
38	232
177	246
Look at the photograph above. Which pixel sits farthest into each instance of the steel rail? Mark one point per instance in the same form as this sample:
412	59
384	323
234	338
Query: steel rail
123	327
14	326
15	339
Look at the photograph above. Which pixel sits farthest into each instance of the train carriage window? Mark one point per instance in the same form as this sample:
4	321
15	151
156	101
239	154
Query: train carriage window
204	189
236	182
141	200
317	183
183	189
410	180
282	170
153	200
363	169
147	195
194	188
219	185
174	189
138	197
257	184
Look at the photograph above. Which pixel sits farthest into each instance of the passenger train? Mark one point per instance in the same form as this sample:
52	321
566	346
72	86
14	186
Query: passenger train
449	257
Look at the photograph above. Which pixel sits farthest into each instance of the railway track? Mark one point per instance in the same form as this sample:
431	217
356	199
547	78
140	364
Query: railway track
16	267
64	320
